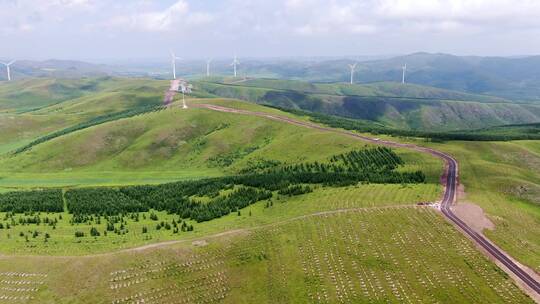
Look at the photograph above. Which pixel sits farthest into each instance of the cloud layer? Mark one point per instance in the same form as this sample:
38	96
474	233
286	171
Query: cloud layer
265	28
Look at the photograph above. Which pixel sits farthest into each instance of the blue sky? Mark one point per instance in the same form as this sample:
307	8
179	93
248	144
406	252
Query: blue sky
102	29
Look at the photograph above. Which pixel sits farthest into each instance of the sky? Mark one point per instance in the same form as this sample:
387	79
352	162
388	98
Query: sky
101	30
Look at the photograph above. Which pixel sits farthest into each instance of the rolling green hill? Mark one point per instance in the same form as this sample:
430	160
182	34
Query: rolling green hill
31	109
75	96
380	89
171	141
393	104
497	133
409	107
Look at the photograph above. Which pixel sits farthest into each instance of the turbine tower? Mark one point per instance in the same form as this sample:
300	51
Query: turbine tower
235	63
353	69
185	88
8	69
404	72
173	60
208	62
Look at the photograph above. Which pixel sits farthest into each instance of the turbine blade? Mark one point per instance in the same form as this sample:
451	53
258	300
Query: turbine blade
12	62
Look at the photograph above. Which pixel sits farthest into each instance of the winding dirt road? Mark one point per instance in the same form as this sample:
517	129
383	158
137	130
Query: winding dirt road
450	182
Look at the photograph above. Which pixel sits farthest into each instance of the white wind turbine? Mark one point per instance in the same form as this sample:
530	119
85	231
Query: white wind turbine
404	72
353	70
235	63
173	60
8	69
208	62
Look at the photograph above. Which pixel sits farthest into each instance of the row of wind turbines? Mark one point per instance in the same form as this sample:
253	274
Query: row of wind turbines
174	58
353	66
236	62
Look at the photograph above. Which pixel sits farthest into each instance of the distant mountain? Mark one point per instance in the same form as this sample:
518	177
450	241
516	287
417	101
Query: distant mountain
513	78
409	107
517	78
57	69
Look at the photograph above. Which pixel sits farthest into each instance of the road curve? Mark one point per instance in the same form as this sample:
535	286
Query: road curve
449	198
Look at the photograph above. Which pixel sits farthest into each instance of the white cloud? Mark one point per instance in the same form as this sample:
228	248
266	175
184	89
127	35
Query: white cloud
306	17
488	12
176	16
255	23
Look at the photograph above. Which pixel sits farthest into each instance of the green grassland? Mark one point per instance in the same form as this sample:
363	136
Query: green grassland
368	256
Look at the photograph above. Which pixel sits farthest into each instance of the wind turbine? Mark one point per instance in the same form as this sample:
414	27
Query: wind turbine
173	59
208	62
404	71
8	64
235	63
353	69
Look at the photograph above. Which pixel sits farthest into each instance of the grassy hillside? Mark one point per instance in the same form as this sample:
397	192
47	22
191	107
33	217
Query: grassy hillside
73	96
172	141
18	130
405	107
31	109
28	95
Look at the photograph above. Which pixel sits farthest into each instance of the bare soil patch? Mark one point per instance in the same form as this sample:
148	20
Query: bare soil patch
473	216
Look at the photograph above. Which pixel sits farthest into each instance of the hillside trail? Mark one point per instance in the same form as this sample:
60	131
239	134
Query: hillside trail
169	94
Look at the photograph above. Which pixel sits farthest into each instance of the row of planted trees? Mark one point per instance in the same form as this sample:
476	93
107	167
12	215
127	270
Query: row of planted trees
223	195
